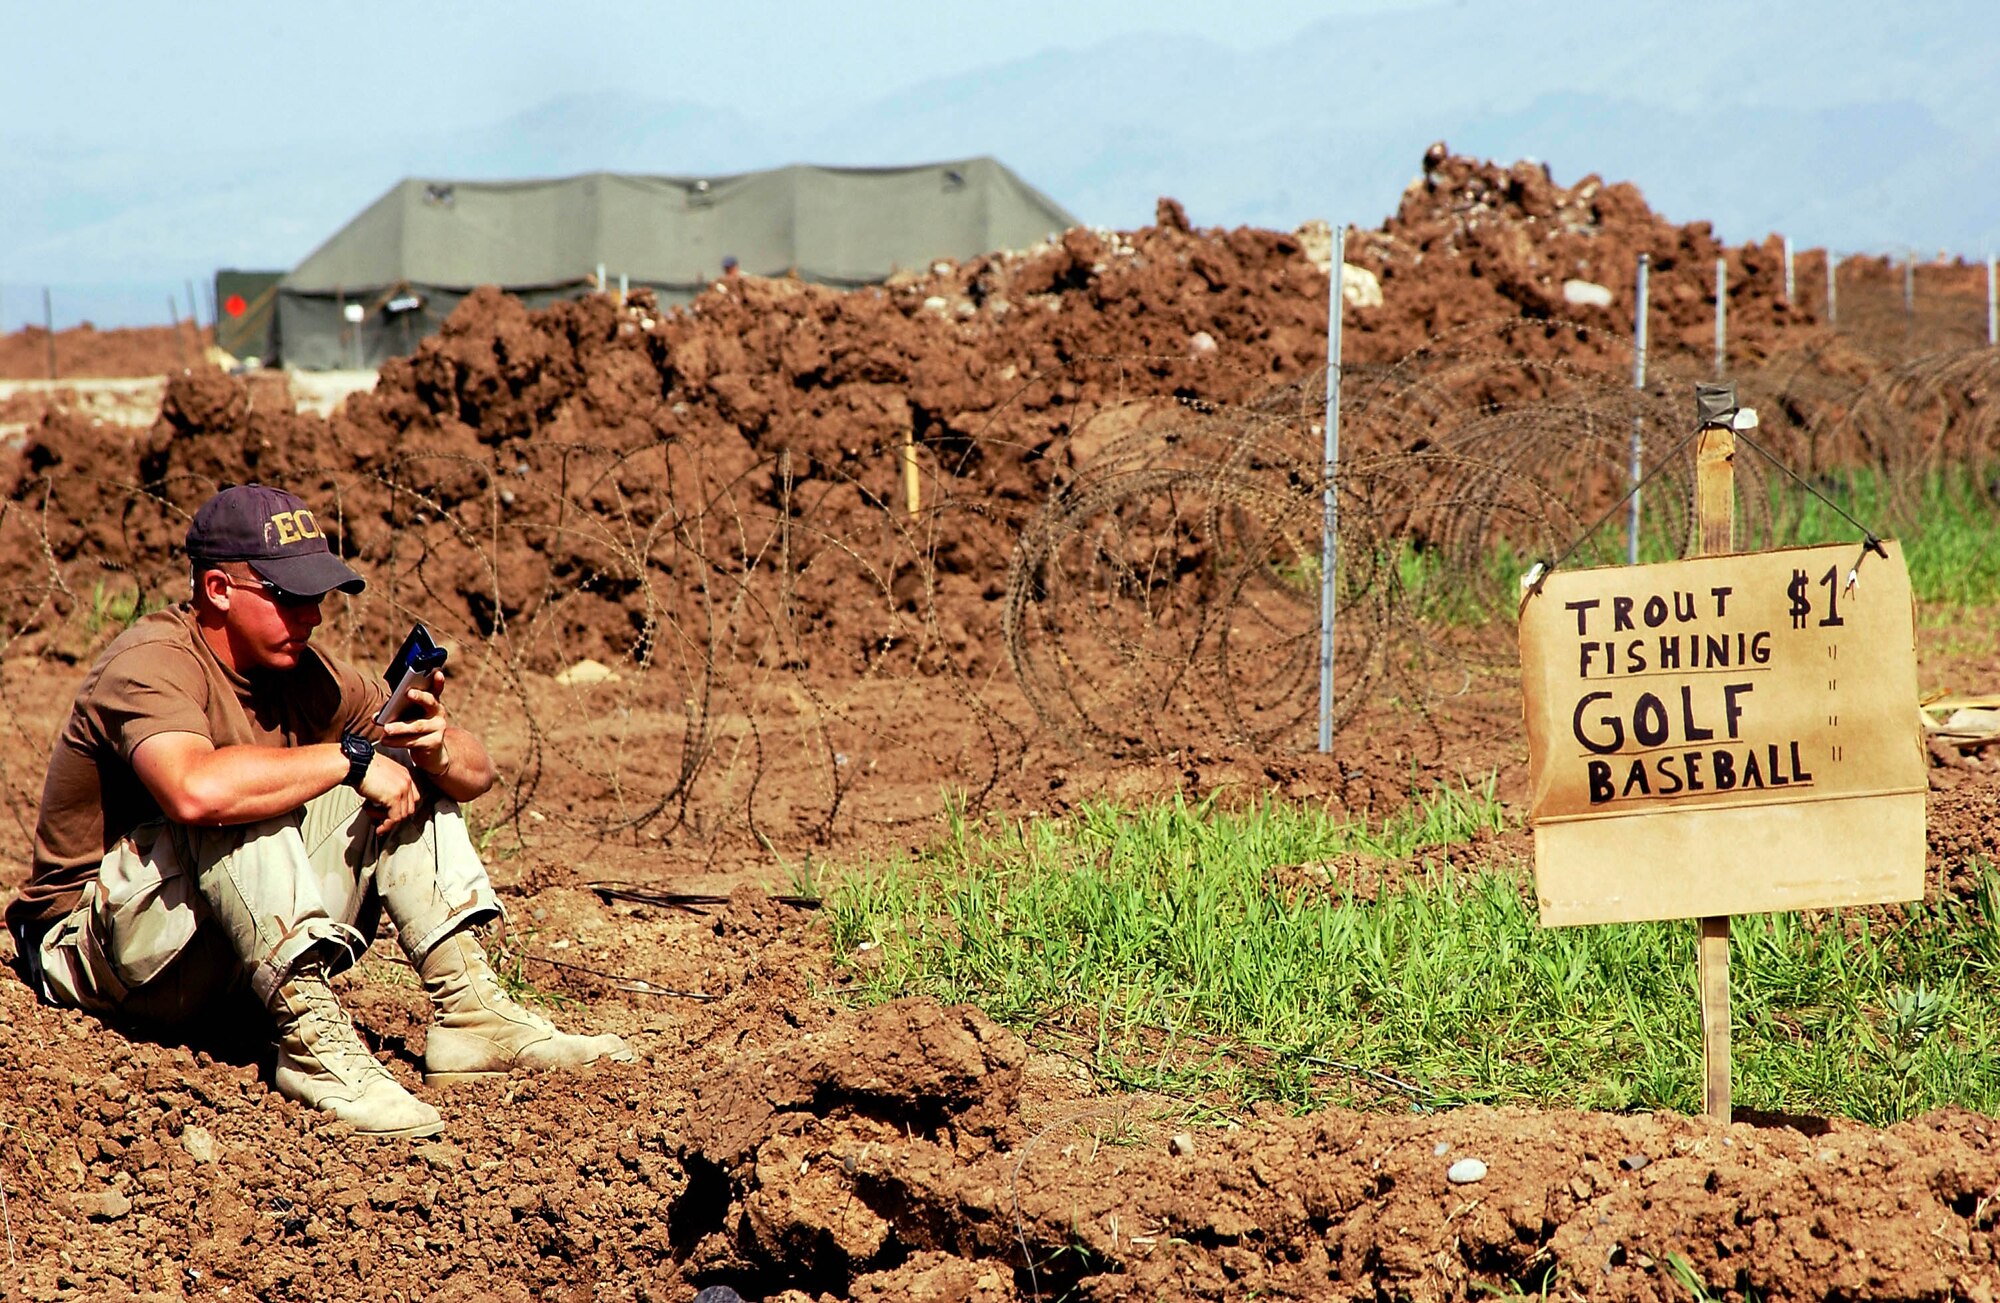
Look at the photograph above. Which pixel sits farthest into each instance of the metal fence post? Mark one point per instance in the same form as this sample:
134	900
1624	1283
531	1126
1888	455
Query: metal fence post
1910	285
1329	549
1788	270
1638	421
1721	316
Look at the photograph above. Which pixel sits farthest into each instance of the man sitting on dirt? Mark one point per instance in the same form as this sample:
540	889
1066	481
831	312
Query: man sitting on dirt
217	816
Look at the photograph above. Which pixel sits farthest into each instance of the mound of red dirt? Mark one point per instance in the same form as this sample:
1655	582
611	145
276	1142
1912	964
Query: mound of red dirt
86	352
1471	241
769	416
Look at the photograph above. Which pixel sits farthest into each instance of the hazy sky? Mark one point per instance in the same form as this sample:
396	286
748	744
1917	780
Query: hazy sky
137	70
144	144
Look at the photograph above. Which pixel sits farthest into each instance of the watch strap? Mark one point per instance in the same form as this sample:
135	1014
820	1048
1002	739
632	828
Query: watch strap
360	753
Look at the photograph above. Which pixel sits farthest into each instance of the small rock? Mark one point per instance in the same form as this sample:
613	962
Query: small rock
1465	1171
1359	287
1586	294
585	673
440	1156
1182	1145
1201	344
104	1206
1443	1148
199	1144
1633	1162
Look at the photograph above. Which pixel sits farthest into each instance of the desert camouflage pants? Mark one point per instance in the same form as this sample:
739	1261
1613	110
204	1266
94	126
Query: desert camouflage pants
180	915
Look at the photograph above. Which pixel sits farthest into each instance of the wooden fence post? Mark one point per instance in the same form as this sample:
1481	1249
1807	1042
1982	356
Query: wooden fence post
1715	525
912	484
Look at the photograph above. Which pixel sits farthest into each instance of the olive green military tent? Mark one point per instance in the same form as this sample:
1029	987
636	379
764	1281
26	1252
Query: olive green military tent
394	273
246	313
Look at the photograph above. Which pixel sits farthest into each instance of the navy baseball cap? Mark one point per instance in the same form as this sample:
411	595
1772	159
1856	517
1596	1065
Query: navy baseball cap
276	533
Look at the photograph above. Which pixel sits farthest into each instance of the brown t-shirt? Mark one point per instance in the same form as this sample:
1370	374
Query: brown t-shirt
160	677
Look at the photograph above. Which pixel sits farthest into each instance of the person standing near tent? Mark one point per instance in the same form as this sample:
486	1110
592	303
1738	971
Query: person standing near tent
218	817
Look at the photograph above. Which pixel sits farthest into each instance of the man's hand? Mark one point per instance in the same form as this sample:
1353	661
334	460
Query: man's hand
453	759
423	736
389	791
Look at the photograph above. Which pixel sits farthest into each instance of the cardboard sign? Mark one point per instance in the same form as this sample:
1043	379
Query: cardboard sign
1724	735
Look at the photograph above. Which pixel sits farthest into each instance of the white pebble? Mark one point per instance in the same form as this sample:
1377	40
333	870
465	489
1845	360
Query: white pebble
199	1143
1465	1171
1443	1148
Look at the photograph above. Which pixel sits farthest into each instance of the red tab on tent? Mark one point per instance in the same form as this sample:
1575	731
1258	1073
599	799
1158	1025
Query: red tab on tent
234	305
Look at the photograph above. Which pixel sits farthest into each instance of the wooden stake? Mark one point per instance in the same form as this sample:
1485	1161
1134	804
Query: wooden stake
911	485
1714	969
1715	522
1715	491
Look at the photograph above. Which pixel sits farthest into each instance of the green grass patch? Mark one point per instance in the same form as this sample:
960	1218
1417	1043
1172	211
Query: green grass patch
116	608
1945	525
1178	948
510	953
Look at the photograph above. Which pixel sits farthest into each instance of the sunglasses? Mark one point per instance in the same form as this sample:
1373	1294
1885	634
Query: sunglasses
277	595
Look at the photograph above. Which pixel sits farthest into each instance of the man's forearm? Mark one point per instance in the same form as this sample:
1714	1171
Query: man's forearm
467	772
242	784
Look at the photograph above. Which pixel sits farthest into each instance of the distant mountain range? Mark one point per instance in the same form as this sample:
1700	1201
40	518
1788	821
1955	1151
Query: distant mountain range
1732	111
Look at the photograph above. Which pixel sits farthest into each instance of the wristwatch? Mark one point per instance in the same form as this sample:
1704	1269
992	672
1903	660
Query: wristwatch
359	752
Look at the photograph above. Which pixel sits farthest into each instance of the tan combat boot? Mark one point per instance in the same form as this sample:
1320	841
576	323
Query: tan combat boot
322	1062
478	1032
